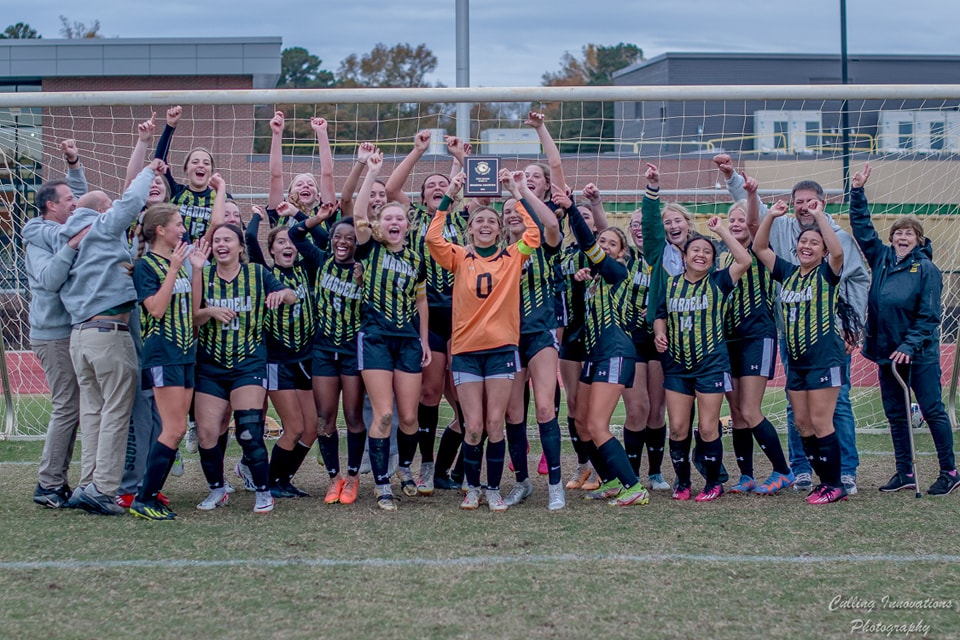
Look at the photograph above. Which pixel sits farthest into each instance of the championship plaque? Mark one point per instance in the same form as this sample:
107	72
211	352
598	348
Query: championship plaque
482	177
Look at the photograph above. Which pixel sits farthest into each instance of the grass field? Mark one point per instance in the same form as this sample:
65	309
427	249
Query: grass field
743	567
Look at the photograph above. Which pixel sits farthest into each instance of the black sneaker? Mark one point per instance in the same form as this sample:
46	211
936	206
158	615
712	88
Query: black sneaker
898	482
50	498
75	502
279	490
93	501
152	510
297	493
947	482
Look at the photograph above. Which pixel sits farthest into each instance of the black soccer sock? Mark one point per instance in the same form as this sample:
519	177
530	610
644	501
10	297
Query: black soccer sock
811	449
457	473
633	445
582	452
460	419
526	401
599	464
211	463
712	459
829	459
680	457
330	452
615	458
447	450
297	456
743	450
427	418
656	442
472	459
766	436
697	456
159	461
279	463
407	448
517	443
495	454
223	442
379	459
550	441
355	445
556	399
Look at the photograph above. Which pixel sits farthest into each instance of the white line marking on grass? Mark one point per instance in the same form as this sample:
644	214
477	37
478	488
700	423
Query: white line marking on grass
184	563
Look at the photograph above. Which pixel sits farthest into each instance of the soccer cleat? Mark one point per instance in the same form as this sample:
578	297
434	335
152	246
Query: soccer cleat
657	483
124	500
100	503
243	472
407	484
290	488
471	500
745	485
849	482
74	501
592	483
520	492
351	486
945	484
162	499
495	500
444	483
50	498
279	491
802	482
556	497
898	482
681	492
636	494
147	511
710	493
609	489
334	491
177	469
542	467
229	487
190	440
385	498
425	479
581	475
825	494
774	483
264	502
217	498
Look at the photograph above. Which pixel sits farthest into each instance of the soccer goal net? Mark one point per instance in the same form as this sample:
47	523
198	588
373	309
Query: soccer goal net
606	135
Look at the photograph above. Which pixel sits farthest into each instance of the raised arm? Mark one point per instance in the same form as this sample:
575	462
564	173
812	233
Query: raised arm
353	178
328	191
126	210
830	239
394	187
550	150
741	257
361	220
592	194
251	237
608	268
751	186
163	144
446	253
218	211
75	177
863	230
157	304
654	236
516	184
761	241
144	136
275	195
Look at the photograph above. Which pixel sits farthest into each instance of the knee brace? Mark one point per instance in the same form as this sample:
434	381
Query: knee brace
249	430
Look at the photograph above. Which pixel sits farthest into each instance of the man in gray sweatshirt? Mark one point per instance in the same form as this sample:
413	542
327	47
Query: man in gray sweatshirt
47	270
99	296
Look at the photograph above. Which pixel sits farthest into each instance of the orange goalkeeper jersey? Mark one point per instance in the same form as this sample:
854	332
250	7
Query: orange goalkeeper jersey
486	291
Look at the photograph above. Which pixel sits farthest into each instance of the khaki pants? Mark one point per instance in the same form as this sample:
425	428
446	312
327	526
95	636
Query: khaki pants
108	375
54	356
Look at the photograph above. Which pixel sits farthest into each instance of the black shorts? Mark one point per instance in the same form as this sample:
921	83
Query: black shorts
813	379
572	351
533	343
489	364
330	363
440	324
289	376
169	375
612	371
713	381
389	353
644	346
219	381
753	357
561	310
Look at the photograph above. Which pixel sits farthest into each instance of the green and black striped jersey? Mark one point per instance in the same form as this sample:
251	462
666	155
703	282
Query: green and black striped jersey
439	280
291	327
195	208
391	283
229	343
694	314
604	333
339	296
809	304
635	292
572	292
168	340
538	302
749	308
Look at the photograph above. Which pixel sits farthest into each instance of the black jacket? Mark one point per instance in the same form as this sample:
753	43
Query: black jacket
903	307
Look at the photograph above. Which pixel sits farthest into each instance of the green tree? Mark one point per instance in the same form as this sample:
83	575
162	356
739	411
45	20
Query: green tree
584	125
301	69
20	31
77	30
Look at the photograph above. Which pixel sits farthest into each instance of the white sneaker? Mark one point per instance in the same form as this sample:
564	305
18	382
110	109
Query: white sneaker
177	469
520	492
495	501
264	503
217	498
425	480
557	497
243	472
657	483
849	482
472	499
803	482
190	440
229	487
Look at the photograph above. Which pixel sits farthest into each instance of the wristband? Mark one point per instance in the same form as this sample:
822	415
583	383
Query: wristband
445	203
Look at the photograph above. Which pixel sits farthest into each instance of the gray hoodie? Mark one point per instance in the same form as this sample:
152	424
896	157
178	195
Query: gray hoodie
98	279
47	268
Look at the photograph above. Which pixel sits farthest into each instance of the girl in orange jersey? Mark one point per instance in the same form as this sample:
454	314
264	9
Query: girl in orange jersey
486	331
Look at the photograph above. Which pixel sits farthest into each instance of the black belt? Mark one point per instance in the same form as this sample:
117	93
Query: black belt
102	324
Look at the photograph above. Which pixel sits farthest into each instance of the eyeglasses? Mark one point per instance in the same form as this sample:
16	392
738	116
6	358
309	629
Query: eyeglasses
636	225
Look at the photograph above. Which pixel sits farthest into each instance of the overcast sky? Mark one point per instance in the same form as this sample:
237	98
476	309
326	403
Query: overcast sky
512	43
